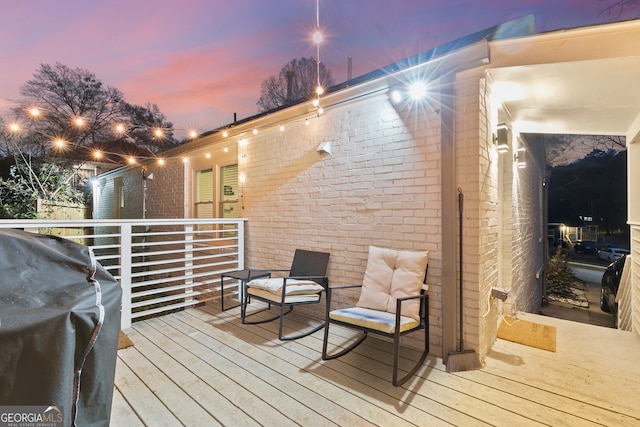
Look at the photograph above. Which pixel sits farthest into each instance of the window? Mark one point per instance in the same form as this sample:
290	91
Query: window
204	194
229	191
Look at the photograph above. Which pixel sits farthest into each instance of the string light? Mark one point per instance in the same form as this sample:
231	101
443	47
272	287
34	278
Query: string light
317	39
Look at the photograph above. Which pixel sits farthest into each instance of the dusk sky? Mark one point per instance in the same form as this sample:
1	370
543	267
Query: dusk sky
202	60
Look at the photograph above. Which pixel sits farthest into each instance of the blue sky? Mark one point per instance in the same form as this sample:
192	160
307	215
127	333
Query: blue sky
202	60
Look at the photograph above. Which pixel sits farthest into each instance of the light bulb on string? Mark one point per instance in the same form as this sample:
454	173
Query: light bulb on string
317	36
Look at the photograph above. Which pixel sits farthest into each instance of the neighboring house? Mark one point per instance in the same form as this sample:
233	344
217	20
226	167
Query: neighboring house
378	168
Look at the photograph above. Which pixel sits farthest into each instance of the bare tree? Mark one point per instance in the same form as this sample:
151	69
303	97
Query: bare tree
561	149
64	96
73	105
616	7
297	81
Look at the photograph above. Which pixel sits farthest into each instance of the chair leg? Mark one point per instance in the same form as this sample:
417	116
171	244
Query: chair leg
301	335
396	350
257	322
327	356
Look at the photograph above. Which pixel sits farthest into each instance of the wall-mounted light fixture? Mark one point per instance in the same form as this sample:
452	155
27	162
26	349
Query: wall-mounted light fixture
416	92
501	138
519	158
324	148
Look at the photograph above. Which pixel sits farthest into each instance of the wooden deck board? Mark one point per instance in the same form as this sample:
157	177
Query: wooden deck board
275	361
201	366
479	401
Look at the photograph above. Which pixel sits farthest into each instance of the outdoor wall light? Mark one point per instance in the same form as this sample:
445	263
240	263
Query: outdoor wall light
418	90
324	148
395	95
519	159
501	138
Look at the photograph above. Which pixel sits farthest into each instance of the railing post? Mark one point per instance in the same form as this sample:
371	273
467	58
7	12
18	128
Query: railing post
240	227
188	262
125	274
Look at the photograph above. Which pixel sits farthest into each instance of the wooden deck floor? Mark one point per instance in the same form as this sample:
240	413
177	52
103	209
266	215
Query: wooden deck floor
202	367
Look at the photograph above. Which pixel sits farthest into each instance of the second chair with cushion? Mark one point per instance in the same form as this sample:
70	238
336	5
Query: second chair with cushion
393	302
304	285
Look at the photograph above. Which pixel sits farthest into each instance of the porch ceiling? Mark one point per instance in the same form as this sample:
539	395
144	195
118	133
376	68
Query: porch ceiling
595	97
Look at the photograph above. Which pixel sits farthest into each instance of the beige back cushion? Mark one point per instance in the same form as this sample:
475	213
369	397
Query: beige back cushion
392	274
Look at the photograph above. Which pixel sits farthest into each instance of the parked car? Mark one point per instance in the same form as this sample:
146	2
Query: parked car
610	283
586	247
611	254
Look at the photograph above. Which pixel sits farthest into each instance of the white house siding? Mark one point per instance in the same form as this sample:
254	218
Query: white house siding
477	176
379	186
502	218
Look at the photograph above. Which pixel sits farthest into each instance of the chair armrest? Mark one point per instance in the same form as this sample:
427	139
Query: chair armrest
307	277
330	289
344	286
423	296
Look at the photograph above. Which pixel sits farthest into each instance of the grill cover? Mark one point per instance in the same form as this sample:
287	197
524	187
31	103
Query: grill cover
59	326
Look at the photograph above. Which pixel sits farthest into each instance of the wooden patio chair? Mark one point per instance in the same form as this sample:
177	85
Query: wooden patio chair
393	302
305	283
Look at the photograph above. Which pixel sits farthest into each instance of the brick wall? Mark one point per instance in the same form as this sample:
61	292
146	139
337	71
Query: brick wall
380	186
503	214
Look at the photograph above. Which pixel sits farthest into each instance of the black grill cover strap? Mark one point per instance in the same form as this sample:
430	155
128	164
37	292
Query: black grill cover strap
94	335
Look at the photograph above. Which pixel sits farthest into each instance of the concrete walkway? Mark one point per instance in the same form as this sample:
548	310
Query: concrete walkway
592	315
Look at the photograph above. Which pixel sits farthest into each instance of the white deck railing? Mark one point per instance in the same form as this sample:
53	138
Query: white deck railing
162	265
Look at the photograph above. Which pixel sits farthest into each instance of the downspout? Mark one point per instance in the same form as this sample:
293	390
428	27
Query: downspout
448	216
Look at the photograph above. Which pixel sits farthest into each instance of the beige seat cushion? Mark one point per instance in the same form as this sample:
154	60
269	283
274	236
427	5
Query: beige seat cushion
393	274
373	319
288	299
293	286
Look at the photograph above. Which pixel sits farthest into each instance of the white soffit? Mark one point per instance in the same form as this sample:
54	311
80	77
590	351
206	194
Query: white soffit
594	97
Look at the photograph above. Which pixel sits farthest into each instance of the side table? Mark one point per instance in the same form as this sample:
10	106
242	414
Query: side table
243	276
